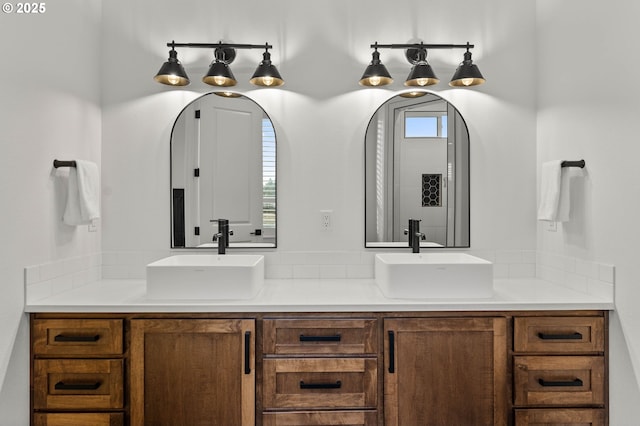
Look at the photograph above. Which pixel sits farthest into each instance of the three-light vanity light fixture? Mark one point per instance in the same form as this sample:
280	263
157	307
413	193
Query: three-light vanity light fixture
172	72
421	74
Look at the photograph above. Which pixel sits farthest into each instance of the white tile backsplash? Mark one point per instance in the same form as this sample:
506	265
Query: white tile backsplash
51	278
606	273
578	274
317	264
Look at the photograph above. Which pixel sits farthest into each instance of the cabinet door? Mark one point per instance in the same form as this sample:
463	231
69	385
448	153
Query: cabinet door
192	372
445	371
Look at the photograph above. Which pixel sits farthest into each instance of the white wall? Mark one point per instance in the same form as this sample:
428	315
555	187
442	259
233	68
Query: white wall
588	108
49	108
321	49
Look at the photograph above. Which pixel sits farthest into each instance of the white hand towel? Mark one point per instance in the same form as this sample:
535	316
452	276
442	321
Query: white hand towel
564	201
550	190
83	198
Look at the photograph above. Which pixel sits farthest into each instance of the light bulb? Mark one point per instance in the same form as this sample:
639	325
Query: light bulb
422	81
173	79
267	80
467	81
219	80
374	81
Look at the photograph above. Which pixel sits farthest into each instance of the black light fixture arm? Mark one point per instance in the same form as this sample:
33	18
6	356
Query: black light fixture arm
220	45
422	46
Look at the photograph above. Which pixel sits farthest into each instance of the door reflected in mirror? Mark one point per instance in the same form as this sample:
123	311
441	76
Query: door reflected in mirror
417	167
223	166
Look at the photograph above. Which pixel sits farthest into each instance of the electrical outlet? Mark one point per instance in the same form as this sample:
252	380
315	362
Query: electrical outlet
326	220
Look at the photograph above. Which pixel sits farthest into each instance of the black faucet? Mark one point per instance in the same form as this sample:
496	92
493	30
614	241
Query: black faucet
414	235
222	237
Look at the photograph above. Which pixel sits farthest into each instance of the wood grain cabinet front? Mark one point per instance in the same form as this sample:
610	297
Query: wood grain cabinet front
445	371
561	417
77	337
192	372
78	419
78	375
320	371
321	418
560	370
320	383
320	336
524	368
562	335
559	380
78	384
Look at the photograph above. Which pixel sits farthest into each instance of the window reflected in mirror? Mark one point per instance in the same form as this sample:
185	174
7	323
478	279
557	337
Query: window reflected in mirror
417	167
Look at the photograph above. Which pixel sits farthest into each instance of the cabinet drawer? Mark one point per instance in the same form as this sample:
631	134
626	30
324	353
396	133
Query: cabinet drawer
559	334
321	418
561	417
320	336
78	419
77	337
320	383
77	384
558	380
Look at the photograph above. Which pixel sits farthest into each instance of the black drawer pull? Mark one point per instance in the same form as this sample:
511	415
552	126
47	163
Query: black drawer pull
65	338
572	336
336	385
545	383
334	338
77	386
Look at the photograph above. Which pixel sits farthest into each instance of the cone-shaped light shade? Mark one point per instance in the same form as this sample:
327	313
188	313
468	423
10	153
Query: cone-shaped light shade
376	73
467	73
421	73
219	75
266	74
172	72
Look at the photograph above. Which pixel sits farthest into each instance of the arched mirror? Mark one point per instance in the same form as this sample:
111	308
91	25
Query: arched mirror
223	166
417	167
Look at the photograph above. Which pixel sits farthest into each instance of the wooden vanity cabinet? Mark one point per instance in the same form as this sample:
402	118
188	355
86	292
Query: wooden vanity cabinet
305	369
445	371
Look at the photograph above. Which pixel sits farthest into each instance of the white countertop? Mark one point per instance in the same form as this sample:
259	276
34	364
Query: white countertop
318	295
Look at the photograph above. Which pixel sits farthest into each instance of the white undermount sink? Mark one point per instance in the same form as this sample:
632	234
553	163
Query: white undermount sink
206	276
433	275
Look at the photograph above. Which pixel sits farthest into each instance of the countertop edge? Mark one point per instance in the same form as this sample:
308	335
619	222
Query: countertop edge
316	295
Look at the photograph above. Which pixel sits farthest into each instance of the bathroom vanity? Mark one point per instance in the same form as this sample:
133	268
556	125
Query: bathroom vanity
320	356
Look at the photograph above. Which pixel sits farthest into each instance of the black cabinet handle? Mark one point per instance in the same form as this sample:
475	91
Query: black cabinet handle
392	352
65	338
247	352
77	386
571	336
545	383
336	385
334	338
